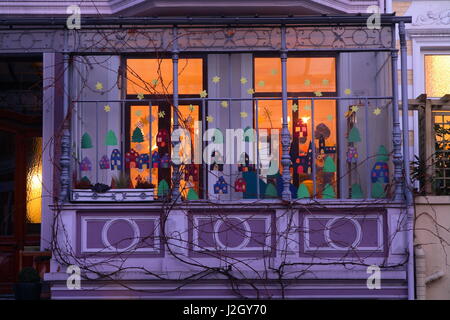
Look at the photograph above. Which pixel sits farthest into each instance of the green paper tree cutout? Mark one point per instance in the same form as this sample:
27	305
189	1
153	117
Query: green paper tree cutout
356	191
302	191
271	191
137	135
192	195
378	191
248	135
328	192
218	136
353	135
163	188
110	139
86	141
382	154
329	165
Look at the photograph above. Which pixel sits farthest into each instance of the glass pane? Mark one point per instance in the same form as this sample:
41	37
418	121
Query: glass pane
154	76
303	74
34	184
7	168
437	75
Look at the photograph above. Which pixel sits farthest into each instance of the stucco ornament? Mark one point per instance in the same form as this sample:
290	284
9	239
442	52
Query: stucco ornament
442	18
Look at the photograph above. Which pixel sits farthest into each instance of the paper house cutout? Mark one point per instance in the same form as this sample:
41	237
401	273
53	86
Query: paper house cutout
85	164
244	163
240	185
220	187
380	172
352	155
216	161
156	160
143	161
190	170
116	160
162	138
104	162
165	161
131	159
303	163
300	129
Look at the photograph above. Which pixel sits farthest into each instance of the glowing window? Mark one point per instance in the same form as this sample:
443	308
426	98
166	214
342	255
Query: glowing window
437	75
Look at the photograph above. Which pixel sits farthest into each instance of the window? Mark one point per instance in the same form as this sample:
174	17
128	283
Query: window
306	77
437	75
442	153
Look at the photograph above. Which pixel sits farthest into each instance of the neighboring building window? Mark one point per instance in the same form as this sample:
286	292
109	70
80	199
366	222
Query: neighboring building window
306	77
442	153
437	75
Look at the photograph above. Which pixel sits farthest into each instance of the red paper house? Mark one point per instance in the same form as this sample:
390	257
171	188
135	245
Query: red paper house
85	164
131	159
300	129
240	185
162	138
191	171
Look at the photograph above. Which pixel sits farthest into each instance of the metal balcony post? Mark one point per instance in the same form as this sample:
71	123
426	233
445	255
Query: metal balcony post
285	136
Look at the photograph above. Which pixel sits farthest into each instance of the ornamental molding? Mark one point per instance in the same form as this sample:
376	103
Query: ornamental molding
433	18
169	7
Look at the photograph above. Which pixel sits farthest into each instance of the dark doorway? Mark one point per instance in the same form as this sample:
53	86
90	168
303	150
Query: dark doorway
20	162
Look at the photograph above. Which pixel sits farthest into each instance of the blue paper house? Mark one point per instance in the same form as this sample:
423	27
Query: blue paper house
220	187
380	172
165	161
116	160
156	160
143	161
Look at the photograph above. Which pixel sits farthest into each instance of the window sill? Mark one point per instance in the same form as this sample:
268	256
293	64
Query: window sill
113	195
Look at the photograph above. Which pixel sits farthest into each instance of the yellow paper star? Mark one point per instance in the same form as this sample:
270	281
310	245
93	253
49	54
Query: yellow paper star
216	79
261	83
107	108
354	108
244	114
224	104
377	111
250	91
295	107
209	119
307	82
154	82
347	91
243	80
99	85
203	94
140	96
162	114
191	108
318	93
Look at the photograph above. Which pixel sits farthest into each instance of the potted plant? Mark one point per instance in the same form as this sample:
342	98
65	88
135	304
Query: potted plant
29	285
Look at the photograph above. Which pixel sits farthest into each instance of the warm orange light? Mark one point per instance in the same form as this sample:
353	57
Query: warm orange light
154	76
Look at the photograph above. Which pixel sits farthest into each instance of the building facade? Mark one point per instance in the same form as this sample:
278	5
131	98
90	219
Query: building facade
213	151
